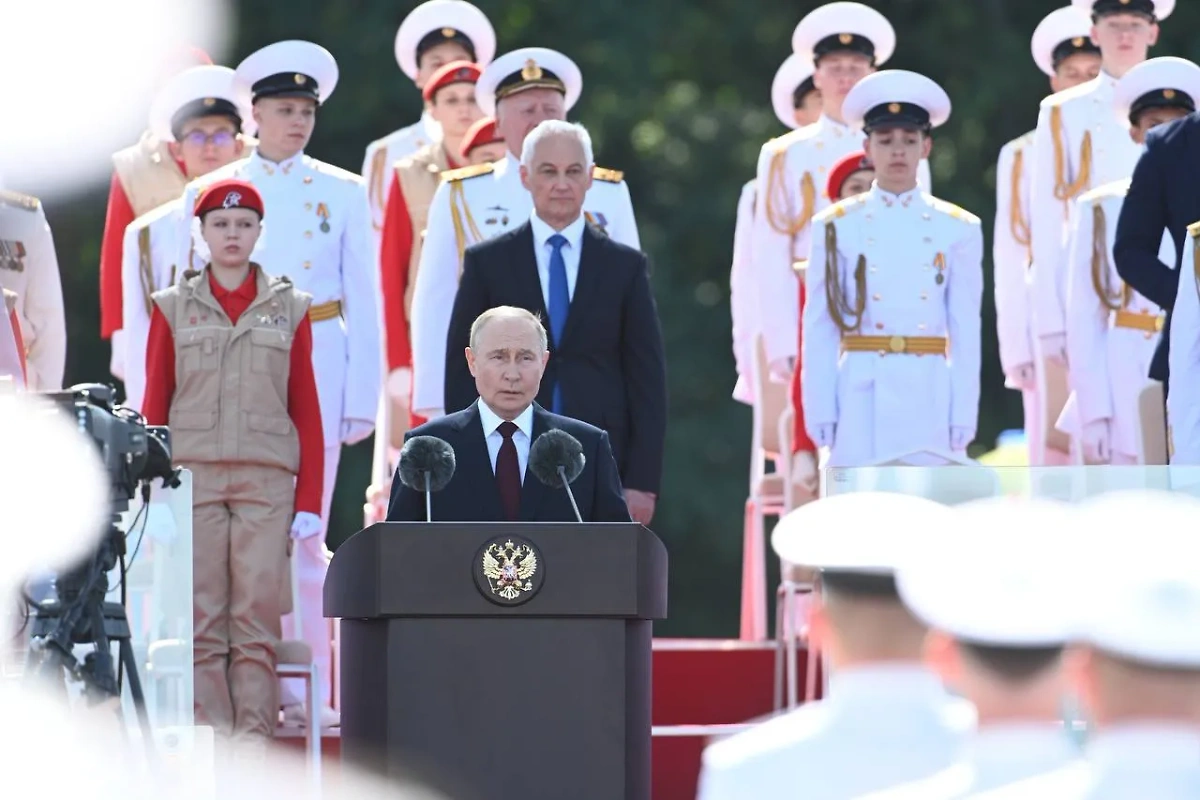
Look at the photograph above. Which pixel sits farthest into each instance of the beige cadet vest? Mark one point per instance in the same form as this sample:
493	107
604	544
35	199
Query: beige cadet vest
418	176
231	381
148	174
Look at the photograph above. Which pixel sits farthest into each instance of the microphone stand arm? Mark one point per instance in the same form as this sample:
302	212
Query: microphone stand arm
428	500
562	473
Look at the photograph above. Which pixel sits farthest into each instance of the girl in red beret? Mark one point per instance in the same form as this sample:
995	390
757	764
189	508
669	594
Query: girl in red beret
229	370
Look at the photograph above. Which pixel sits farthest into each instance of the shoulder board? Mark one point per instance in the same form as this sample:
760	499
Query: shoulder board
1109	190
781	143
190	276
954	211
1066	95
1194	230
1021	142
26	201
282	281
462	173
608	175
335	172
841	208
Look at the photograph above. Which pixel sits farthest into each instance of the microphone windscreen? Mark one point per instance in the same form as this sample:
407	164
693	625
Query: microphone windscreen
426	455
553	449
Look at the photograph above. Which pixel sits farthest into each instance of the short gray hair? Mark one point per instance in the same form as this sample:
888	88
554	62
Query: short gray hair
509	312
556	127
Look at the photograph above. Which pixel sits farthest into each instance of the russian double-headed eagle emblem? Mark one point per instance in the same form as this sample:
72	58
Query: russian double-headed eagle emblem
509	569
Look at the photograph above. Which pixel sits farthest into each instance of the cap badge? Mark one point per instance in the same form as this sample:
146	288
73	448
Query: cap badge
893	108
232	200
299	79
448	33
845	38
210	101
1077	41
1168	94
531	71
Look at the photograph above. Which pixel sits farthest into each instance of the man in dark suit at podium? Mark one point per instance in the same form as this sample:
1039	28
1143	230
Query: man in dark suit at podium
607	366
492	437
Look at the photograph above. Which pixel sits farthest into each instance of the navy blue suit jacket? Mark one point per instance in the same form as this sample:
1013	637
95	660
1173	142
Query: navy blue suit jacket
472	494
1163	195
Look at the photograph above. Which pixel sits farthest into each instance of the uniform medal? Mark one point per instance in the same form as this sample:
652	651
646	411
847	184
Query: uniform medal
323	213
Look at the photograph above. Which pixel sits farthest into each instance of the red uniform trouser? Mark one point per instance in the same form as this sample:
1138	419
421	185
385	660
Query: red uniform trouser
240	518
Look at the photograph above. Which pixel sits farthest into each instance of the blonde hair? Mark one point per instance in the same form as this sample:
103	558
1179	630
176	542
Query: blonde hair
509	312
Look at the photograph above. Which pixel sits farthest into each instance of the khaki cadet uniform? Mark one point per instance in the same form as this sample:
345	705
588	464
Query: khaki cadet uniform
148	174
244	453
29	267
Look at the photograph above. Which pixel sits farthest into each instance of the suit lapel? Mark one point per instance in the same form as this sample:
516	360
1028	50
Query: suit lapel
471	456
533	491
525	273
587	282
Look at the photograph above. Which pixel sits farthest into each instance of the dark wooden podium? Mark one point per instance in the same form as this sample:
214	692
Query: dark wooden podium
530	684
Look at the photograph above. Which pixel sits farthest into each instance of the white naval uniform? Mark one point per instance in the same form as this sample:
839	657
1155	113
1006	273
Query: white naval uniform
334	265
1063	169
149	261
743	303
792	174
1183	400
1011	259
923	278
489	202
1150	760
29	267
382	155
996	756
879	726
1113	357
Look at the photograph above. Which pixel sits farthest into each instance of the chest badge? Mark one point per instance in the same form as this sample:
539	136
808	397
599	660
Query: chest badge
939	261
323	213
503	220
12	255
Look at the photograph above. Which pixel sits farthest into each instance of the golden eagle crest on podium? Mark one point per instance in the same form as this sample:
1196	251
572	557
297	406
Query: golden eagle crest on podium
509	569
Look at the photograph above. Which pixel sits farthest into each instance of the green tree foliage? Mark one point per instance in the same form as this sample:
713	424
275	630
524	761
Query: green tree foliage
676	94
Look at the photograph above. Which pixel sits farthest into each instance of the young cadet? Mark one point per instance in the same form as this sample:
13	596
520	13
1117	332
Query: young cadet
1079	145
145	175
482	143
845	42
1112	331
229	369
433	34
200	119
1063	49
520	89
894	284
797	103
29	269
320	237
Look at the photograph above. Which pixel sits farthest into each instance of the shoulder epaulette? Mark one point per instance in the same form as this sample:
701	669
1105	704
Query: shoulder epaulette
781	143
335	172
26	201
1194	230
954	211
1021	142
462	173
1058	98
1112	189
280	282
841	208
608	175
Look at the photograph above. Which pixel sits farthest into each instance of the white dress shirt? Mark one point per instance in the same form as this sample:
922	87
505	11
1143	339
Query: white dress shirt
542	250
523	438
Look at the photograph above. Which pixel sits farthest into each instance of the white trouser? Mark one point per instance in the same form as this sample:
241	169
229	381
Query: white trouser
312	561
1035	434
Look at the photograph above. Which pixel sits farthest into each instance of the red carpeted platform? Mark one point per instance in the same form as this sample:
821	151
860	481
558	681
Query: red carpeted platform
699	685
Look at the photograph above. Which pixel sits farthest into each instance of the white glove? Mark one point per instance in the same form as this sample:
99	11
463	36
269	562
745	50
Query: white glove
1097	441
804	471
355	430
116	364
1054	347
781	369
305	526
1022	377
825	435
399	384
960	438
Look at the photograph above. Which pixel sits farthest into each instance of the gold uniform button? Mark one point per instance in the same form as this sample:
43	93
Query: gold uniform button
876	297
308	206
879	326
308	234
308	178
308	265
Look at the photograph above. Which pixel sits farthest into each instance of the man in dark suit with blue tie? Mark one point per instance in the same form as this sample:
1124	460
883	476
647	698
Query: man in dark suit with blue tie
607	365
1162	196
492	438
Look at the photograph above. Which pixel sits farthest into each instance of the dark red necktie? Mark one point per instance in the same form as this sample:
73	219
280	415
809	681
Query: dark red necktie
508	472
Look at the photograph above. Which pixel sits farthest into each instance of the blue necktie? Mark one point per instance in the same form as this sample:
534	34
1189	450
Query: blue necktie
560	305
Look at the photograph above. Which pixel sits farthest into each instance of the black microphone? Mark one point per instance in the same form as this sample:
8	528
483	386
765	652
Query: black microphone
556	459
426	465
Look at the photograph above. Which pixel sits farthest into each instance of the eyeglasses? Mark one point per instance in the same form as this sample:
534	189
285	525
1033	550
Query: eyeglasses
218	139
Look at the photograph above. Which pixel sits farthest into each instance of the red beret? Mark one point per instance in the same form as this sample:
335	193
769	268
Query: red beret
454	72
230	193
481	133
842	170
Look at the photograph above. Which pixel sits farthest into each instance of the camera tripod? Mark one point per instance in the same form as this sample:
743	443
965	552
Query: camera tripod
81	615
